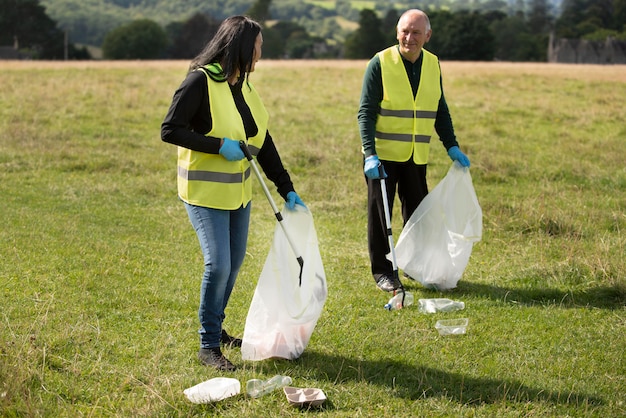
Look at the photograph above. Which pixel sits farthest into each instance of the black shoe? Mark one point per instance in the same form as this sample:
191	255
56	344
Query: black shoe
230	341
213	357
387	282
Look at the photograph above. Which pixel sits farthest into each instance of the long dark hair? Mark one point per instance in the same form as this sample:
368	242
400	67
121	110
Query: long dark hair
232	47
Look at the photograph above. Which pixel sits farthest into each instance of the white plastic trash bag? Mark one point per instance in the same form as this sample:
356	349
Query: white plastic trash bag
436	243
282	313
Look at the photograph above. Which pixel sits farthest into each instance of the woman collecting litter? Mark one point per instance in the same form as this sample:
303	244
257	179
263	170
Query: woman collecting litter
214	108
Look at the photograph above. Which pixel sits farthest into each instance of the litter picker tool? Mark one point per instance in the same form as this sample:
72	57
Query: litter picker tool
277	213
383	190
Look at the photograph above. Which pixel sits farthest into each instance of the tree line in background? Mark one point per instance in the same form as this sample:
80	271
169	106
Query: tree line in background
471	30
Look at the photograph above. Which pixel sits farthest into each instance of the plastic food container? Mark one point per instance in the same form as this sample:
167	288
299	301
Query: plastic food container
304	397
452	326
213	390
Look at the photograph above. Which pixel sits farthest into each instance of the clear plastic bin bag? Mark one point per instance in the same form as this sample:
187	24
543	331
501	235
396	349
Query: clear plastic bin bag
436	243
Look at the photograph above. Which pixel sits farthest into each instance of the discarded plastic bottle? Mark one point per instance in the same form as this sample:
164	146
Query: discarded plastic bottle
257	387
396	301
439	305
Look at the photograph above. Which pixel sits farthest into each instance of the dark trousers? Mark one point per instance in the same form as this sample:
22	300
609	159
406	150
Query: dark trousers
410	181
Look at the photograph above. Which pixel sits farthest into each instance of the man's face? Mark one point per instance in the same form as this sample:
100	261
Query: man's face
412	33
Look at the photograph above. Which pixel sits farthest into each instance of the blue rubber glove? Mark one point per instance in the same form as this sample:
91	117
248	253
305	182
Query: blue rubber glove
456	155
231	150
371	169
293	199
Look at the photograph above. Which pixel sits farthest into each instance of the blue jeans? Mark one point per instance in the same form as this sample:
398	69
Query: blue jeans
223	236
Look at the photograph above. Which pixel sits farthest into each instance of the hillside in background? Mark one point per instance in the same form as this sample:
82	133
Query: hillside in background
88	21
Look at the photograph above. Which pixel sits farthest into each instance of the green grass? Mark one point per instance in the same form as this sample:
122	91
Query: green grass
100	268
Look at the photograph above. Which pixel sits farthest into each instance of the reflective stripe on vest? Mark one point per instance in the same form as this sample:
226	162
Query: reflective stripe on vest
405	123
211	180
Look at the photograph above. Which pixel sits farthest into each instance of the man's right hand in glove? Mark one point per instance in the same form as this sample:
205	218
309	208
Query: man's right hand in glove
371	168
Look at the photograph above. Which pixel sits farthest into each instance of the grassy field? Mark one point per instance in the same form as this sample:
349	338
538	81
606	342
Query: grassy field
100	268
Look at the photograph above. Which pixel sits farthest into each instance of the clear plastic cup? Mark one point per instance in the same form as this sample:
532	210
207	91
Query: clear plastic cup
452	326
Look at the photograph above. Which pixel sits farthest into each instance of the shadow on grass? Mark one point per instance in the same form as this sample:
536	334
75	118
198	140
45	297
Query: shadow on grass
415	383
600	297
604	297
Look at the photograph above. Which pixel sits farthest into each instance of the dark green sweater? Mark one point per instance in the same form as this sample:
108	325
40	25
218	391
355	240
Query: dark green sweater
372	95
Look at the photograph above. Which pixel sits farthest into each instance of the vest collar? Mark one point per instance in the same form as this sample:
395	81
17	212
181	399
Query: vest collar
215	71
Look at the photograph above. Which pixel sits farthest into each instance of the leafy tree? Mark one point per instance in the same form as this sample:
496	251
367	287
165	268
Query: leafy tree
260	10
273	44
461	36
389	26
619	15
140	39
510	29
604	20
515	41
87	22
290	10
494	5
287	39
496	15
367	39
601	35
525	39
188	38
328	29
173	31
344	9
539	17
299	45
26	23
583	17
601	12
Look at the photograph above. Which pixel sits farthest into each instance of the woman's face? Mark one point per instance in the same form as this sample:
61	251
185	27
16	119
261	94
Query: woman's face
257	50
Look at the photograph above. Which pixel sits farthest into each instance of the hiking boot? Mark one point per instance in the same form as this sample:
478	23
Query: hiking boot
229	340
213	357
387	282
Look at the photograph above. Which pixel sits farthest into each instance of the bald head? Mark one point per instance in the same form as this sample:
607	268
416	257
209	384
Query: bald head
413	31
414	15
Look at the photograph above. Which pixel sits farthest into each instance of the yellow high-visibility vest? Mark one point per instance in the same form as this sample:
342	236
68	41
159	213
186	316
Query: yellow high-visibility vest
405	123
210	180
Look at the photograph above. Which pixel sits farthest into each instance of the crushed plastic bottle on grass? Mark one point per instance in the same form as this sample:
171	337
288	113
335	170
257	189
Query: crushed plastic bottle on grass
257	387
439	305
396	301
